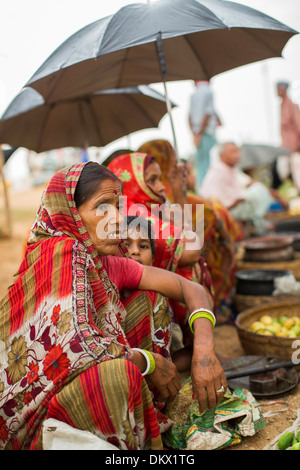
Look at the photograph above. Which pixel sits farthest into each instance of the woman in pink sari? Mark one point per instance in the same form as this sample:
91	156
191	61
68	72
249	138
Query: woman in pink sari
141	179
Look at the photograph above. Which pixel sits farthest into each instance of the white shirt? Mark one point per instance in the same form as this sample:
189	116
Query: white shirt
200	105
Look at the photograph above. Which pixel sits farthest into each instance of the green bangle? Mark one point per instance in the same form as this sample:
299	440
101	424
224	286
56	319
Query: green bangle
201	315
152	362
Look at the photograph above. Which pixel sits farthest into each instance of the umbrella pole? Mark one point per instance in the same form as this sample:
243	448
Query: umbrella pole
163	69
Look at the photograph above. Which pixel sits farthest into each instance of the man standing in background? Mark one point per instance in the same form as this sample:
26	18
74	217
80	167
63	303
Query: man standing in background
290	130
203	122
289	119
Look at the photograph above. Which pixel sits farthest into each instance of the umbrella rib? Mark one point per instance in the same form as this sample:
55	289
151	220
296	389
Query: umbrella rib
44	126
196	55
269	46
143	110
122	67
94	119
83	124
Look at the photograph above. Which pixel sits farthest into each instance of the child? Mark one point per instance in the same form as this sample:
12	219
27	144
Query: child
141	248
139	241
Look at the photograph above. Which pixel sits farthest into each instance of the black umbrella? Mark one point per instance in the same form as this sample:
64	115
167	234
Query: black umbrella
193	39
200	39
96	119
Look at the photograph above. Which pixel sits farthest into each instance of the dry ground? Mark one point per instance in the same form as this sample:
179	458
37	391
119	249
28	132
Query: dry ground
23	208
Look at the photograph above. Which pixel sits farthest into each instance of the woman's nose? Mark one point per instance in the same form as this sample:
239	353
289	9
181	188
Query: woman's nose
161	187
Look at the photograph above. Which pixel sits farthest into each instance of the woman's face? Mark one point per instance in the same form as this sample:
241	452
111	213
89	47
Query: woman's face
153	179
101	217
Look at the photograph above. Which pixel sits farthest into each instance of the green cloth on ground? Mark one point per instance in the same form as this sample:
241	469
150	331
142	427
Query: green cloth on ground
236	416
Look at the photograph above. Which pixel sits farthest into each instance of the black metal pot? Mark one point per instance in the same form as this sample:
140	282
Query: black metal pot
288	225
258	281
296	239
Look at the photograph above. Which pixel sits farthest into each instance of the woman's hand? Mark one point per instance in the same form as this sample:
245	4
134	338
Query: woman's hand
165	378
208	378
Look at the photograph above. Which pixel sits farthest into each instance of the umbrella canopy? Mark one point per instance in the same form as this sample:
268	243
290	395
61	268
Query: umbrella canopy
95	119
200	39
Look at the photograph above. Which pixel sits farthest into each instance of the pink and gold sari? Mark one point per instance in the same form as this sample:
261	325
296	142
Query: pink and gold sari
169	238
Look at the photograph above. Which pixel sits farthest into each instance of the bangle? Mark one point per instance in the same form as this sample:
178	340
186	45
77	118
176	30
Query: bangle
201	313
203	310
149	360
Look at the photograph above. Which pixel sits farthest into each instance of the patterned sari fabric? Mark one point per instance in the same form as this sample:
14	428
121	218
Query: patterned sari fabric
220	230
63	338
220	235
169	238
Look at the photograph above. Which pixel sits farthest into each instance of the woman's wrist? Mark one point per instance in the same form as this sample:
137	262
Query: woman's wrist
146	361
201	313
203	334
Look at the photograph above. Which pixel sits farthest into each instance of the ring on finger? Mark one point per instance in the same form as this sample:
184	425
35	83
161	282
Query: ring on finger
220	390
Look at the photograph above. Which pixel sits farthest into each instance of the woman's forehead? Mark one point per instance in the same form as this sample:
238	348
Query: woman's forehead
110	185
108	189
153	168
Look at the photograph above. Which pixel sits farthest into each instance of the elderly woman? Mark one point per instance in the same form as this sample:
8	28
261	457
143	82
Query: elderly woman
65	344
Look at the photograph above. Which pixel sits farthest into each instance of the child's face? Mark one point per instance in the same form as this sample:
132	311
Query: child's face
139	247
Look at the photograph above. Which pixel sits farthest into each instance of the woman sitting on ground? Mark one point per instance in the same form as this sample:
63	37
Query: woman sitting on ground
65	337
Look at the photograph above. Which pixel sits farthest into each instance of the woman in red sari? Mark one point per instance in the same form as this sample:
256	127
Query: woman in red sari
67	343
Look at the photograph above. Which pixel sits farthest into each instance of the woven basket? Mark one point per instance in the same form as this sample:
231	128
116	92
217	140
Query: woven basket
243	302
293	266
257	344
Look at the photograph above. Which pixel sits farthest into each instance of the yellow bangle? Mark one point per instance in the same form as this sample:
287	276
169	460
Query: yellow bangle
200	315
152	361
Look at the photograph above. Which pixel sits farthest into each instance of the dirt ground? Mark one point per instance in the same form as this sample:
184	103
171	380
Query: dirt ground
23	207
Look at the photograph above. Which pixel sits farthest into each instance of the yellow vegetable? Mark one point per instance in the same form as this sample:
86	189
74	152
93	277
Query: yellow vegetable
266	320
288	323
257	325
282	326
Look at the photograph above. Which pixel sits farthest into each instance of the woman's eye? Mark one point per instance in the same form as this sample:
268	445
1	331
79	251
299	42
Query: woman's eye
103	207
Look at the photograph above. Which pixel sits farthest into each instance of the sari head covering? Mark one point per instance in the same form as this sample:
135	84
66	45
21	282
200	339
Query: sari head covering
59	320
220	230
164	154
